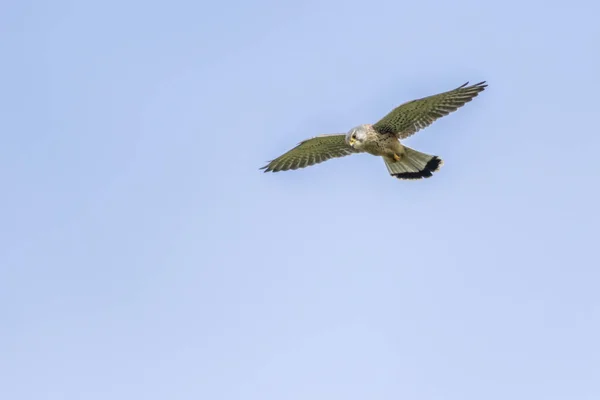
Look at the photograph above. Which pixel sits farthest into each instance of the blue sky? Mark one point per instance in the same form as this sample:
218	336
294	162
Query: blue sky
144	255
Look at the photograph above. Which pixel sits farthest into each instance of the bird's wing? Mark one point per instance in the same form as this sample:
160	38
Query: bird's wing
311	151
412	116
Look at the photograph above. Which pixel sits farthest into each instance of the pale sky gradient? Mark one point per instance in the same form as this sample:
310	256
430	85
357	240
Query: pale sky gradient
144	255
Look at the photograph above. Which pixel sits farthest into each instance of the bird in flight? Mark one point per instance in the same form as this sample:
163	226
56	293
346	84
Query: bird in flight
383	138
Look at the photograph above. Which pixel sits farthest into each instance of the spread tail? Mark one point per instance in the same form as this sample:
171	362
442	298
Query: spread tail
413	165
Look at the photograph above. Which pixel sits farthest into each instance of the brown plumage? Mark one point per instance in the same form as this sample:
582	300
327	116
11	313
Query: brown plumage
382	138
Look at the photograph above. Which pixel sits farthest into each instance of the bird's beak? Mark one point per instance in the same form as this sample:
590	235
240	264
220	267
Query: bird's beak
351	141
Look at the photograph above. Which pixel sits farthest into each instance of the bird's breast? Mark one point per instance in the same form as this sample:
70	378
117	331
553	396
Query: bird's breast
373	147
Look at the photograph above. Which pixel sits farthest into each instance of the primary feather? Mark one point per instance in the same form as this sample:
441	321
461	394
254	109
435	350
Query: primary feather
412	116
311	151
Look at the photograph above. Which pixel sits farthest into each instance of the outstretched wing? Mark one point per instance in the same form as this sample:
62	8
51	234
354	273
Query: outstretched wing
311	151
412	116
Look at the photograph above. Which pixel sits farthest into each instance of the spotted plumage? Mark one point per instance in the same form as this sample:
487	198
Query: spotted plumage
383	138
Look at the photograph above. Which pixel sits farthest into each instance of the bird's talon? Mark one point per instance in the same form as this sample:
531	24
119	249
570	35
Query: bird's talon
396	157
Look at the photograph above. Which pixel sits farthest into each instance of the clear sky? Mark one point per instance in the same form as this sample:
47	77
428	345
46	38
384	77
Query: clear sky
145	256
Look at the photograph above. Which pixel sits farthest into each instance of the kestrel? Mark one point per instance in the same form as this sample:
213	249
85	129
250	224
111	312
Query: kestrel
383	138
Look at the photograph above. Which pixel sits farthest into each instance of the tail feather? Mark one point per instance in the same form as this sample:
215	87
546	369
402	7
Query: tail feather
413	165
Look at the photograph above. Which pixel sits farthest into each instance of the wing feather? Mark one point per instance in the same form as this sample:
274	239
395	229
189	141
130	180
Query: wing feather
412	116
310	152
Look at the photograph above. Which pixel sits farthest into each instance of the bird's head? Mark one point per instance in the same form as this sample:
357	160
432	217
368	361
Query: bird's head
357	136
